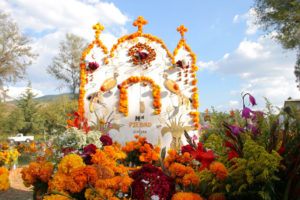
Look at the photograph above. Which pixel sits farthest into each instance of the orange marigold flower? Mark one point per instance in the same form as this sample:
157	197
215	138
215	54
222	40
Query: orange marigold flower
46	169
186	196
91	174
114	152
219	170
80	178
179	170
58	182
190	178
126	182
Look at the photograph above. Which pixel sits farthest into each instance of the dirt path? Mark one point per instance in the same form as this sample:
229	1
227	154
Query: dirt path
17	190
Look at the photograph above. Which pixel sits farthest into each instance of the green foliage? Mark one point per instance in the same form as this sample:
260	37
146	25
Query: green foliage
215	143
255	171
54	114
209	183
216	123
29	111
14	122
65	66
282	16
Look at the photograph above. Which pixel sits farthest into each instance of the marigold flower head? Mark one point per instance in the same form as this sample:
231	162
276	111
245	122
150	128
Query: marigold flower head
69	163
190	178
58	182
219	170
186	196
114	152
179	170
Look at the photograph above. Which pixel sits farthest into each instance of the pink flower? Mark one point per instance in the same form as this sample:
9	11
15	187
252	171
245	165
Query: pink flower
252	100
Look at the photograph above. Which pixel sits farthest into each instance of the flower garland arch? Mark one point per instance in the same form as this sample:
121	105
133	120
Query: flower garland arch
139	23
123	101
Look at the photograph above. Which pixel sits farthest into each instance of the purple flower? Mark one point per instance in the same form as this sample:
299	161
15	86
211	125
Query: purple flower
252	100
235	130
246	113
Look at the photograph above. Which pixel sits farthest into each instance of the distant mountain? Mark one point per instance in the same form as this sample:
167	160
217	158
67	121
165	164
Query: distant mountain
51	98
47	98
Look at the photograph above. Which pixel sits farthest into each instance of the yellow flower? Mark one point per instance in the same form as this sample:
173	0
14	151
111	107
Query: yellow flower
4	179
69	163
219	170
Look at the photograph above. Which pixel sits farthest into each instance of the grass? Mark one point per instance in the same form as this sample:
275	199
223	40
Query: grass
25	159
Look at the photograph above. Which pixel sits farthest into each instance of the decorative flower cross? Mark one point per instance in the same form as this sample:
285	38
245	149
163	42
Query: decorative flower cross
139	23
181	29
98	27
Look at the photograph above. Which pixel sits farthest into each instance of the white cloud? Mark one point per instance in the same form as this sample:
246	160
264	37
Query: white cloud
233	104
49	21
250	17
206	65
15	92
264	69
235	18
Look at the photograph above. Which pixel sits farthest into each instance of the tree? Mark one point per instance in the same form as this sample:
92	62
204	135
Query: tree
54	114
282	16
32	122
15	52
65	66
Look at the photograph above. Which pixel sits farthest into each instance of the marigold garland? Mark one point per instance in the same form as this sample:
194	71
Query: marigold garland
123	101
140	22
182	43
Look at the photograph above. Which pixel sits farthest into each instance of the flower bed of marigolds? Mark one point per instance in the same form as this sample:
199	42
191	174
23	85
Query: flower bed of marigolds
246	154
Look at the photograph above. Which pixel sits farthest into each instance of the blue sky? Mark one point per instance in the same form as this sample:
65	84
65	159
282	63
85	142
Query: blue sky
232	53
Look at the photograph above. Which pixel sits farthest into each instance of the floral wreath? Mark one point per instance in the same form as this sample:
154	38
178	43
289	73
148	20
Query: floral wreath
141	54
